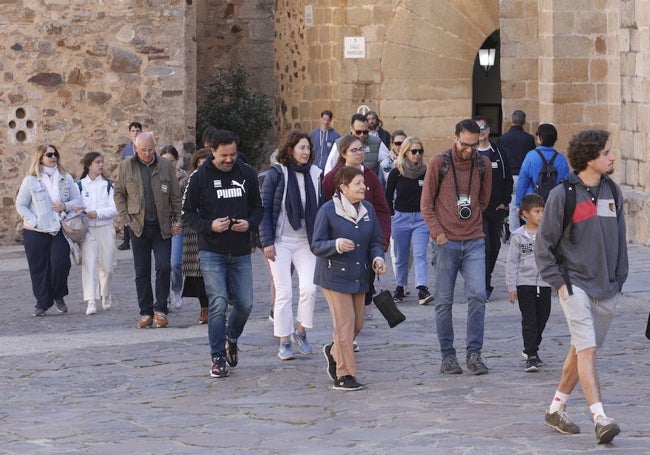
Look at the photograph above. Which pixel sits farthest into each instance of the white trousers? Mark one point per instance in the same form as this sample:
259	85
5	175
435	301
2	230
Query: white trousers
98	261
294	250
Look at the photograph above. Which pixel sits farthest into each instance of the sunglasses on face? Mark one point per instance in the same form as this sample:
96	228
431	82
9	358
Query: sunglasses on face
397	143
483	127
51	154
360	132
416	151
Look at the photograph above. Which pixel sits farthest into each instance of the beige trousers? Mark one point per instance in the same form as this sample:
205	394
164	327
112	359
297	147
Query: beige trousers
347	320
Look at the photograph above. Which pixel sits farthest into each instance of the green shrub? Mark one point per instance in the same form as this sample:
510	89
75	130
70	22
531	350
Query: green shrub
230	105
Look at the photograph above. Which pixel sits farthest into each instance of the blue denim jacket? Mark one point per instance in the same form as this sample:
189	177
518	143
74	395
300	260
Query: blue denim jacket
34	205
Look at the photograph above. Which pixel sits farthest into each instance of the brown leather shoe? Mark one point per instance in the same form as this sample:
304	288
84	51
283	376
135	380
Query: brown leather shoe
203	317
145	321
161	319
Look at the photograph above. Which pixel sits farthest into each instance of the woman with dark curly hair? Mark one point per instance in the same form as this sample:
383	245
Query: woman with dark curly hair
291	196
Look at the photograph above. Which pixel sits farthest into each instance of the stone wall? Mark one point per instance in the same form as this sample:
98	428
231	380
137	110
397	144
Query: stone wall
76	72
633	38
233	33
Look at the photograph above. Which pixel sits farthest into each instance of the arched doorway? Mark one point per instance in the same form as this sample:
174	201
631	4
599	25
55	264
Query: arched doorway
486	85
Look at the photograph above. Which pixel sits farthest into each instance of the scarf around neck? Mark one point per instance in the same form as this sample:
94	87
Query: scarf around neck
293	204
50	178
411	170
346	209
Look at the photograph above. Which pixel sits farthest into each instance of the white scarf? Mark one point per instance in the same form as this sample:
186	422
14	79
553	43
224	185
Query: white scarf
51	177
344	208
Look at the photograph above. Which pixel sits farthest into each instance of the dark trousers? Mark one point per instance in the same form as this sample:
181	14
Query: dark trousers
151	240
127	235
371	292
49	265
535	307
492	227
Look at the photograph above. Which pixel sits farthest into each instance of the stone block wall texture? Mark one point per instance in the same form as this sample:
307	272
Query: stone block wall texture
76	72
633	38
231	33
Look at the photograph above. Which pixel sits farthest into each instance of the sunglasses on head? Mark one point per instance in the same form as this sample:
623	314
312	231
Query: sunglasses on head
360	132
51	154
416	151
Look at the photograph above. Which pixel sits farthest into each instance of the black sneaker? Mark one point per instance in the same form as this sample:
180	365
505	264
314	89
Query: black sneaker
331	363
124	246
424	296
219	368
398	295
540	362
231	353
348	383
39	312
61	307
532	364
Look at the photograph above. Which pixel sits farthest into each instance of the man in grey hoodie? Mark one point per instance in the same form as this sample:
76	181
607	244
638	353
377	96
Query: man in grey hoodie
587	264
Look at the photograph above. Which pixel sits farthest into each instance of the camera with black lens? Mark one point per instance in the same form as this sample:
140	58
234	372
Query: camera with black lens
464	207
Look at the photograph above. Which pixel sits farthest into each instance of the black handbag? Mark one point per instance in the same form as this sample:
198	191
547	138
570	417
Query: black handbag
387	307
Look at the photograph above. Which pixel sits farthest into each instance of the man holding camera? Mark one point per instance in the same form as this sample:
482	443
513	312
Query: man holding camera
222	203
456	192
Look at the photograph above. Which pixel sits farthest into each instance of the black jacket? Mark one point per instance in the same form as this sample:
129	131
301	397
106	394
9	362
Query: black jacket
515	144
501	177
212	194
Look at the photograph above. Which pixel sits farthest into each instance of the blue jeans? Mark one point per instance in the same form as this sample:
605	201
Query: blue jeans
151	240
177	263
226	275
410	231
468	258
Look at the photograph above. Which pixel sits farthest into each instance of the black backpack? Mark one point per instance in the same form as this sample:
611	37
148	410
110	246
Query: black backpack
547	177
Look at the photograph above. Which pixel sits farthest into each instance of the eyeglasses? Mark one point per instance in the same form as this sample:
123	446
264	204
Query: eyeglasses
360	132
483	127
51	154
398	143
468	146
357	150
416	151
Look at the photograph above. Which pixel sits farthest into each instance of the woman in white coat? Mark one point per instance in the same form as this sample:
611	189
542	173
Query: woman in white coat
98	248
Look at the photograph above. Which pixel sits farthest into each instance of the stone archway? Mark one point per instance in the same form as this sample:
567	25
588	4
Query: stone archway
427	64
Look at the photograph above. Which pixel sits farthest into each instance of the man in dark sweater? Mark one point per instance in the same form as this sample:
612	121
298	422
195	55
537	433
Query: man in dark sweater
515	144
500	197
222	203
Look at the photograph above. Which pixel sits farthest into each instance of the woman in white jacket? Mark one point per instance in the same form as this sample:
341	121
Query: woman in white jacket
98	248
46	193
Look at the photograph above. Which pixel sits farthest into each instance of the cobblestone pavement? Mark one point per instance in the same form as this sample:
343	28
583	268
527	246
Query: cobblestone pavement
95	384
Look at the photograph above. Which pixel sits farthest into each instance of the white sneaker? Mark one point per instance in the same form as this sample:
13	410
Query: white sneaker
92	308
107	302
178	301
